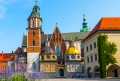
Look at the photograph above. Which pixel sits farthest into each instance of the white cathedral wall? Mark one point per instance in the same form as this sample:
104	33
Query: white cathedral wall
33	57
74	66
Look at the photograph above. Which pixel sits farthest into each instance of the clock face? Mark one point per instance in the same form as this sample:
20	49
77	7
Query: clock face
73	56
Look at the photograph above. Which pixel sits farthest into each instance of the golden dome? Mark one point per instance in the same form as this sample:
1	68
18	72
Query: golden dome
72	50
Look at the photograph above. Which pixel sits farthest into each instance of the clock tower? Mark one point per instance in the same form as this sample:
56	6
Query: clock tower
34	32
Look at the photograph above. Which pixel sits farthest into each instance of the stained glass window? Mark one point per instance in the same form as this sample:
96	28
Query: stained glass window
57	50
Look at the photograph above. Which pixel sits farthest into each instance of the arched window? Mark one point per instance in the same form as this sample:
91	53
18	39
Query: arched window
33	42
57	50
34	67
33	33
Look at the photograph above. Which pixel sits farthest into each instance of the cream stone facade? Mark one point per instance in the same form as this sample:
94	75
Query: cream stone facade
88	53
92	67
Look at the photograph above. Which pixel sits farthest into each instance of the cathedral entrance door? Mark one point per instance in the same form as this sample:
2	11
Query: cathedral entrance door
61	72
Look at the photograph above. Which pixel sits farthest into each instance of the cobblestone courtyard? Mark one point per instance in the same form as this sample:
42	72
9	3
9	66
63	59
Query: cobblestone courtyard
61	79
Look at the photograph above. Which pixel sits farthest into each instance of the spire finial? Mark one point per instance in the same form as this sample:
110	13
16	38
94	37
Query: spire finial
71	35
83	15
36	1
56	25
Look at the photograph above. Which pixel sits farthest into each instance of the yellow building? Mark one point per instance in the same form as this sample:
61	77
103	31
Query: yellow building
111	27
48	62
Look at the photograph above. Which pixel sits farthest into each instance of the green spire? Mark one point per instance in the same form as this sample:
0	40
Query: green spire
35	11
84	27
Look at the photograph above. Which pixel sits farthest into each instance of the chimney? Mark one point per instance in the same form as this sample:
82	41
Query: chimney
12	52
2	53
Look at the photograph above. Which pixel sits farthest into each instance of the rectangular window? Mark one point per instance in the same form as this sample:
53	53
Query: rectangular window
90	46
95	57
88	59
94	44
91	58
87	48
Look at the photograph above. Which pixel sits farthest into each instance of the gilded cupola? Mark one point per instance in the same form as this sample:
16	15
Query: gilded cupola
72	49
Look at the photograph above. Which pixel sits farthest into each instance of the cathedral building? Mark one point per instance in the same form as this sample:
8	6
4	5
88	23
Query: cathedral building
51	52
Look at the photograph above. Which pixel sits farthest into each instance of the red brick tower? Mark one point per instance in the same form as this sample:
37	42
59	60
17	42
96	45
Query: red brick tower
34	32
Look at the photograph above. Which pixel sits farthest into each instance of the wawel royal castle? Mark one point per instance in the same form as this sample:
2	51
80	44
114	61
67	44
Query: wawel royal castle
57	54
65	54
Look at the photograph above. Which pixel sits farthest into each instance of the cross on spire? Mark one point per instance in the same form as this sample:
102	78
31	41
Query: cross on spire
56	25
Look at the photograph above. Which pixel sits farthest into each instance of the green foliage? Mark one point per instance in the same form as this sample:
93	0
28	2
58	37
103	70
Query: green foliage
106	50
19	78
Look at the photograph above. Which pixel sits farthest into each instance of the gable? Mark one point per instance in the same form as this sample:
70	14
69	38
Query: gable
57	36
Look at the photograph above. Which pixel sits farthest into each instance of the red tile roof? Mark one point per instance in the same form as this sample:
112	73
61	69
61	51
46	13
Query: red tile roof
5	56
106	24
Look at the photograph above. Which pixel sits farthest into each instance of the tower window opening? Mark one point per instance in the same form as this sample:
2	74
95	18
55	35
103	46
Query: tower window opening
33	33
33	42
33	23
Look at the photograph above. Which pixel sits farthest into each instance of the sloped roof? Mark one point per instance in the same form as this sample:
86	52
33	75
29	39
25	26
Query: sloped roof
18	51
5	56
47	50
66	36
75	35
106	24
34	14
23	54
44	38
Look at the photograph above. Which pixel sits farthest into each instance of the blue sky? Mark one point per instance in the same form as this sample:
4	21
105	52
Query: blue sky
67	13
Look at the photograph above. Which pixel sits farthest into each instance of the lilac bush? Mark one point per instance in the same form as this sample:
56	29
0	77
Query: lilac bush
18	72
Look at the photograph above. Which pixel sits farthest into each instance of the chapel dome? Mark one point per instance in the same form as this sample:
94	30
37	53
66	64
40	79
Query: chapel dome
47	50
72	50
